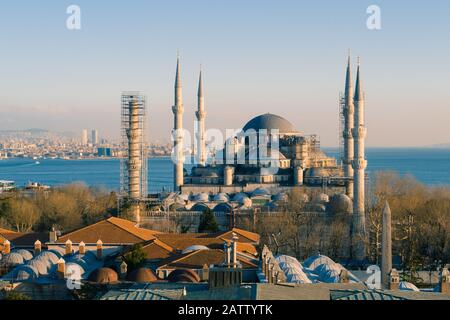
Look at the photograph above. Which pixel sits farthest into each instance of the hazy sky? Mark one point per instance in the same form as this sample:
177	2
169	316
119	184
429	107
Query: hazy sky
283	57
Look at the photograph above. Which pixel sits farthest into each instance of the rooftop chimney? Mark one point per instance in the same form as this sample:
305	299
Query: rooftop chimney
68	247
81	248
123	269
394	280
37	247
444	281
61	270
234	250
6	247
99	249
53	236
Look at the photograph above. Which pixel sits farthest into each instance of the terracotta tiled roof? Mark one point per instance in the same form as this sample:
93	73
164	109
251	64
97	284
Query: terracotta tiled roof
197	259
157	250
6	231
243	235
110	231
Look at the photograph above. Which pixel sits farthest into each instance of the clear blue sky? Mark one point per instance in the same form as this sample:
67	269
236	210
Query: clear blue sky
283	57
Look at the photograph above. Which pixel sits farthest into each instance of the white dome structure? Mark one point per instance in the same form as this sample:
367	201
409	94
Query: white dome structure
27	256
260	192
194	248
40	266
408	286
314	261
12	259
23	273
202	197
238	197
221	197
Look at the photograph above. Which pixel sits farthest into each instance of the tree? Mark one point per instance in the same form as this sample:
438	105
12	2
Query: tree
22	214
208	222
135	258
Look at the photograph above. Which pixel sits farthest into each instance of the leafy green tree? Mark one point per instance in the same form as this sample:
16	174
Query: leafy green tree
208	222
135	258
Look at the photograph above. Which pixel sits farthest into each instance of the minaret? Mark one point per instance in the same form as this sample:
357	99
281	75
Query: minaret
359	165
386	246
178	130
349	110
201	115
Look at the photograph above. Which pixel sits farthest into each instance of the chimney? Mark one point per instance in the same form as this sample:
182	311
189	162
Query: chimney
99	249
68	247
394	280
6	247
37	247
53	236
61	270
81	248
123	270
234	250
444	281
343	276
226	249
270	277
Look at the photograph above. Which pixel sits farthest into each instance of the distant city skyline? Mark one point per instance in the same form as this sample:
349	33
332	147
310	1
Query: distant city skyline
284	57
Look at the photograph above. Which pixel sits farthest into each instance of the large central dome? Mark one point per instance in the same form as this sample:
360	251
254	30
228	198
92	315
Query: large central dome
269	122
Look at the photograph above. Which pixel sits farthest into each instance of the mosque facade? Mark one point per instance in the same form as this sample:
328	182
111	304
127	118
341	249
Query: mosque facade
270	154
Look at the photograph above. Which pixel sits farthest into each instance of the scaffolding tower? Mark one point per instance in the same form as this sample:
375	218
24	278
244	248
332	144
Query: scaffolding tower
133	164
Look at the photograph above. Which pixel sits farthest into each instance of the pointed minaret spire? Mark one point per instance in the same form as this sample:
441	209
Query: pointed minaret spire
349	110
201	115
177	110
359	164
359	96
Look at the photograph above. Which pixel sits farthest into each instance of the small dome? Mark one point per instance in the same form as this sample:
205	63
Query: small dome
40	266
25	254
12	259
194	247
223	207
58	251
74	268
48	255
204	197
340	203
25	273
221	197
103	275
408	286
142	275
200	207
314	261
238	197
260	192
183	275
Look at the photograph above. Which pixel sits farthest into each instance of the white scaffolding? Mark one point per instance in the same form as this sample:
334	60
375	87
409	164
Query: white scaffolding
133	109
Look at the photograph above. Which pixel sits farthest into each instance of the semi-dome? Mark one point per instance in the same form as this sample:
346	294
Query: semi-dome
183	275
269	122
103	275
142	275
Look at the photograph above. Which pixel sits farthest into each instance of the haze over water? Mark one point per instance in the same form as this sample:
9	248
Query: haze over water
429	166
